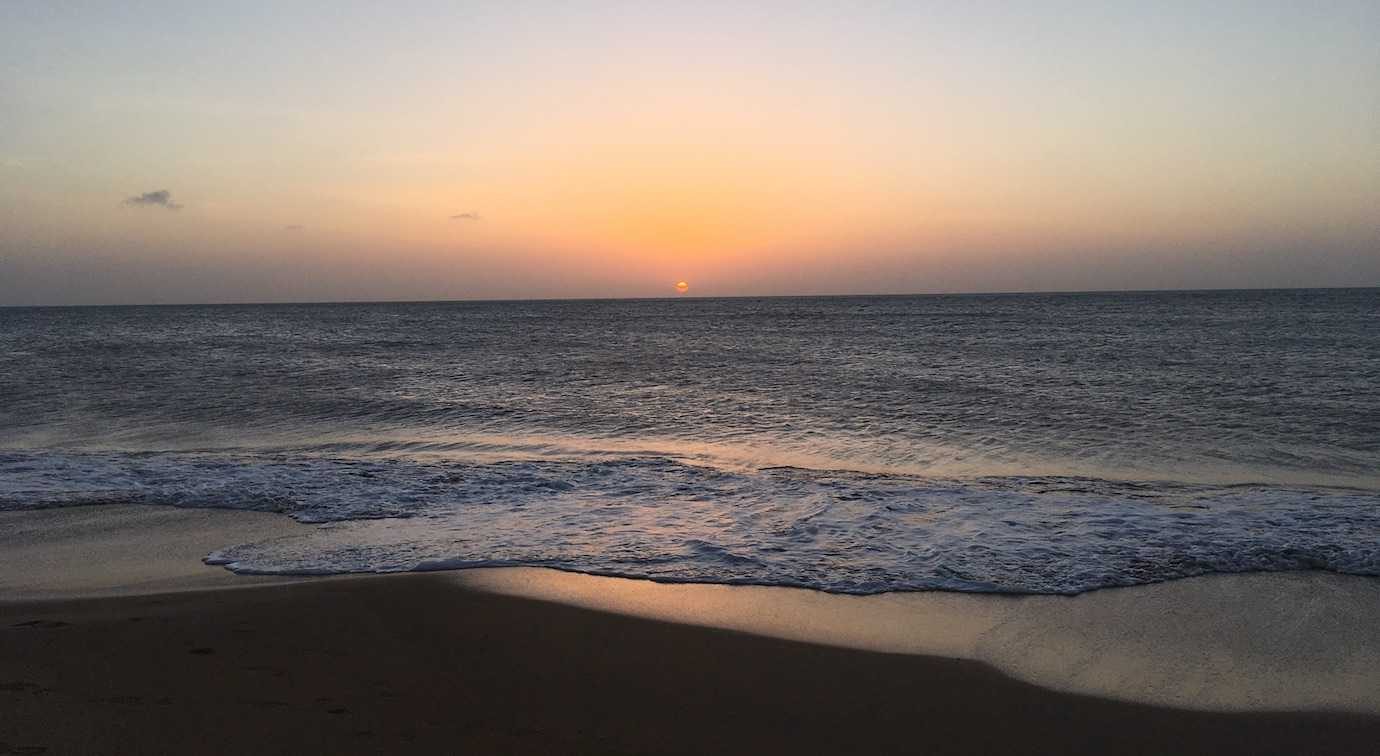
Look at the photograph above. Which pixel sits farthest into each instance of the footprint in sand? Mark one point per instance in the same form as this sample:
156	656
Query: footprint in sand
117	700
6	748
21	686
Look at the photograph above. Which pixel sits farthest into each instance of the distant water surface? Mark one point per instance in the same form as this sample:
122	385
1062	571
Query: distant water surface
1021	443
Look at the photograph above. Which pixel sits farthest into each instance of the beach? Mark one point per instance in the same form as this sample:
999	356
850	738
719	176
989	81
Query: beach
509	661
689	378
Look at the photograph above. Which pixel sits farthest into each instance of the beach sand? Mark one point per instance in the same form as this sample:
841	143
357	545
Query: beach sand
150	654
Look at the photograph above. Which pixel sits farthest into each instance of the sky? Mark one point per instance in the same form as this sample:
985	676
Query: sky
253	152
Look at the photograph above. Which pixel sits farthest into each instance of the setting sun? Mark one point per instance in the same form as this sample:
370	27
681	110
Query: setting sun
682	287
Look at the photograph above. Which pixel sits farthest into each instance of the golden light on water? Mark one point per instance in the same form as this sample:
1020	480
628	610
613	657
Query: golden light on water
682	287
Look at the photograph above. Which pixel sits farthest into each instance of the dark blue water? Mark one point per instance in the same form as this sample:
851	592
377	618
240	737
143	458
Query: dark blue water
1028	443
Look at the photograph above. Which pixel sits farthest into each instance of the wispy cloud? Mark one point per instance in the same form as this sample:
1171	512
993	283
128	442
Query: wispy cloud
293	227
161	198
465	216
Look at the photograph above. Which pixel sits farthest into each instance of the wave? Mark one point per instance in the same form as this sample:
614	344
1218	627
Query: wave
666	519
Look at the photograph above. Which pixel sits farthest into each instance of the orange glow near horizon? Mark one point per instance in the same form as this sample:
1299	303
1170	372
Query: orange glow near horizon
606	150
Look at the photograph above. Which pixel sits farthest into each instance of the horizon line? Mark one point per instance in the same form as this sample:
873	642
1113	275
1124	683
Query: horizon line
500	300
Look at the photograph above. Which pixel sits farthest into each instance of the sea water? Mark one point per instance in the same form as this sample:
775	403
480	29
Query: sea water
1016	443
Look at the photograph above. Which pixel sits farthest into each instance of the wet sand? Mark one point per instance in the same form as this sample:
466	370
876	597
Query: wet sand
498	662
412	663
121	550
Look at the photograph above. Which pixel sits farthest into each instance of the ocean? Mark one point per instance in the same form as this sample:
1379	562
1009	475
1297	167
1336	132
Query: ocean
1023	443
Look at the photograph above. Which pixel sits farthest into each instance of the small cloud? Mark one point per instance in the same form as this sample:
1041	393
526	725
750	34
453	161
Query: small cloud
293	227
161	198
465	216
18	162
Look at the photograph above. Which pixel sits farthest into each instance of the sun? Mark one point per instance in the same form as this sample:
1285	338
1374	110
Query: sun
682	287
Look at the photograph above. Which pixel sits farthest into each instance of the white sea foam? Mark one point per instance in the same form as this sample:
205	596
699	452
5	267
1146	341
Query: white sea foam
666	520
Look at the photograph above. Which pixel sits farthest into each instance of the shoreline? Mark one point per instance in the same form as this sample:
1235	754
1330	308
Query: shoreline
1226	643
1244	642
1252	662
